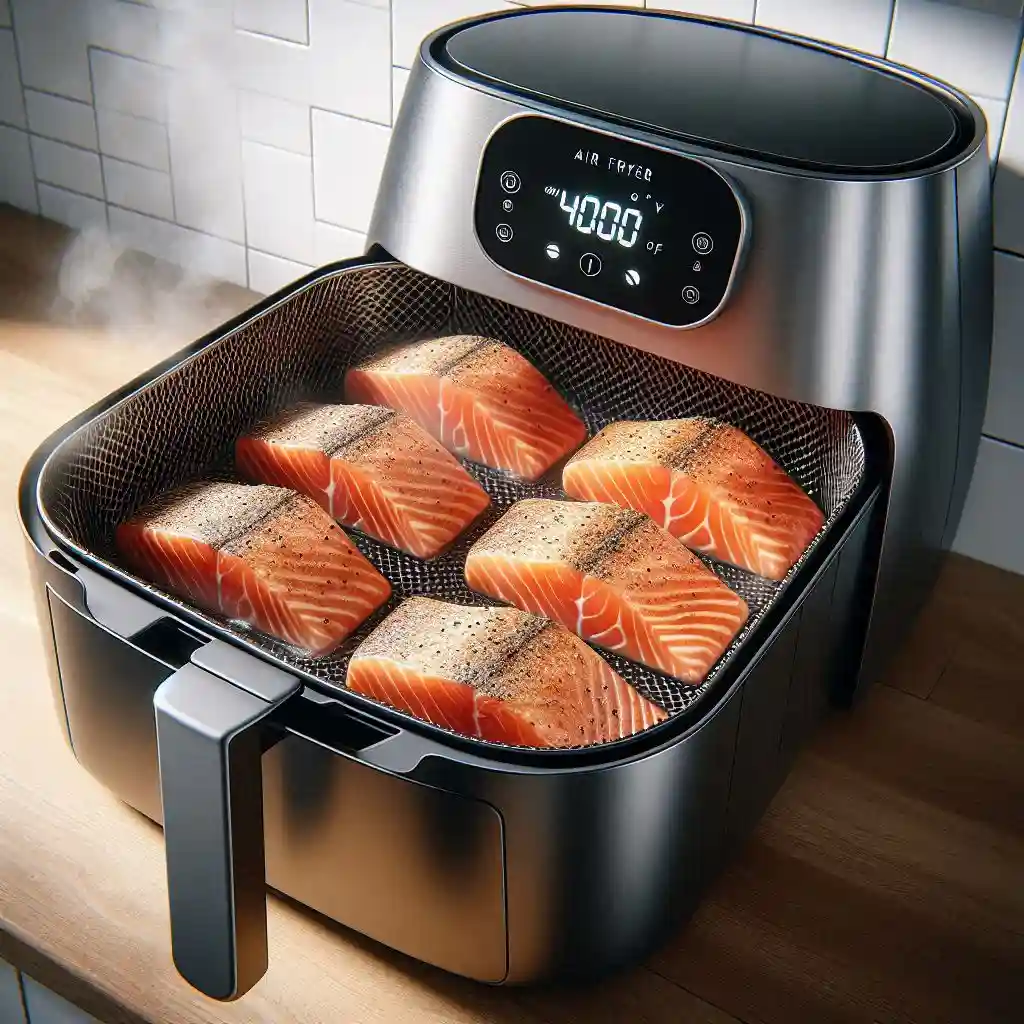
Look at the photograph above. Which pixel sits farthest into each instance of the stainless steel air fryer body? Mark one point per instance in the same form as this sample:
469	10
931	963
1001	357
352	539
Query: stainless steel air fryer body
845	275
866	276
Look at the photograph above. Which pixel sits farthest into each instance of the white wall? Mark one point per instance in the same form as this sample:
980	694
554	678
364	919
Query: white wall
246	138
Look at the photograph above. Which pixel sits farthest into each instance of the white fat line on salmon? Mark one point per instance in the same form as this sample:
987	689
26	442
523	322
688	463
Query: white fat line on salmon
616	627
460	436
667	502
476	714
329	491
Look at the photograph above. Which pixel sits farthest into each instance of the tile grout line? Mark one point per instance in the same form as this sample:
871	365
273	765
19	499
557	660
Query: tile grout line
170	166
1015	445
391	70
59	95
106	156
241	170
281	149
96	123
1014	78
184	227
21	86
888	31
312	169
353	117
164	220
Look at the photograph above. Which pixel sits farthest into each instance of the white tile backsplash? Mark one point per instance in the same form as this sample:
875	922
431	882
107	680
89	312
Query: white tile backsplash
52	44
990	528
284	19
399	80
130	86
200	253
331	243
1004	417
858	24
245	138
46	1007
995	116
414	19
67	166
134	139
269	273
1008	190
61	119
733	10
72	209
346	68
12	103
131	29
969	43
278	201
10	995
352	151
275	122
206	157
138	188
17	181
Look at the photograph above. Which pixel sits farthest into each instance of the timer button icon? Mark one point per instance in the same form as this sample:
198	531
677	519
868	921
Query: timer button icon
510	182
504	233
590	264
703	243
690	295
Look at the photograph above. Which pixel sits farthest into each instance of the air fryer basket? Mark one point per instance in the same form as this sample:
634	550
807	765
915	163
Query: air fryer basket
182	426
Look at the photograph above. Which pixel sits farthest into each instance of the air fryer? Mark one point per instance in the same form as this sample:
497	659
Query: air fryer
669	216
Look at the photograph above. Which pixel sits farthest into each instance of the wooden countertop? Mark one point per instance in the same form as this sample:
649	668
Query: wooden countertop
885	884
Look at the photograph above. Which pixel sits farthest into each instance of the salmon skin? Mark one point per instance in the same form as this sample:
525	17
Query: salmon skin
478	397
496	674
261	555
371	468
612	576
705	482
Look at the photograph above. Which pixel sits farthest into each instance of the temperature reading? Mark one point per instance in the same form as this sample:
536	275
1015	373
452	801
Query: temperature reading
607	220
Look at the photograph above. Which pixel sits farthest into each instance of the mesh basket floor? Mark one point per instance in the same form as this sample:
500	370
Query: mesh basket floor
182	426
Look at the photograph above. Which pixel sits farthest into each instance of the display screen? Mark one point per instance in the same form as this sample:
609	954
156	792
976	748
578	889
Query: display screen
645	231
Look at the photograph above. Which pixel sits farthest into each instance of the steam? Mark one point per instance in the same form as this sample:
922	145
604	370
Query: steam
101	283
176	285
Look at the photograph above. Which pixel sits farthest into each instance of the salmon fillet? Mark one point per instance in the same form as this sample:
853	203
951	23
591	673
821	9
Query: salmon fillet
497	674
705	482
478	397
262	555
613	577
370	468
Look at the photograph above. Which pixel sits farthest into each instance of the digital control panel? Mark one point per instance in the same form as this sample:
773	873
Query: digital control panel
642	230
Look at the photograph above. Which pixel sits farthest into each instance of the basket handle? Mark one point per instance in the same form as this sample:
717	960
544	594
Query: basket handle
213	723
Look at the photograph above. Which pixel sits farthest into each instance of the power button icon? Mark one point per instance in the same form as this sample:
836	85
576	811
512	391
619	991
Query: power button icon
510	182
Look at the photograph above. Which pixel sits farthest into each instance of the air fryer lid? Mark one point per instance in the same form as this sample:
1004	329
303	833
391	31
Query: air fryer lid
731	88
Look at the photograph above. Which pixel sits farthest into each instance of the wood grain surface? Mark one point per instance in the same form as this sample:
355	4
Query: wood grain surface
886	883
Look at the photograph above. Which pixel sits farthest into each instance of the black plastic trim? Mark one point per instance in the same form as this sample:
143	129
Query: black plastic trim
435	47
